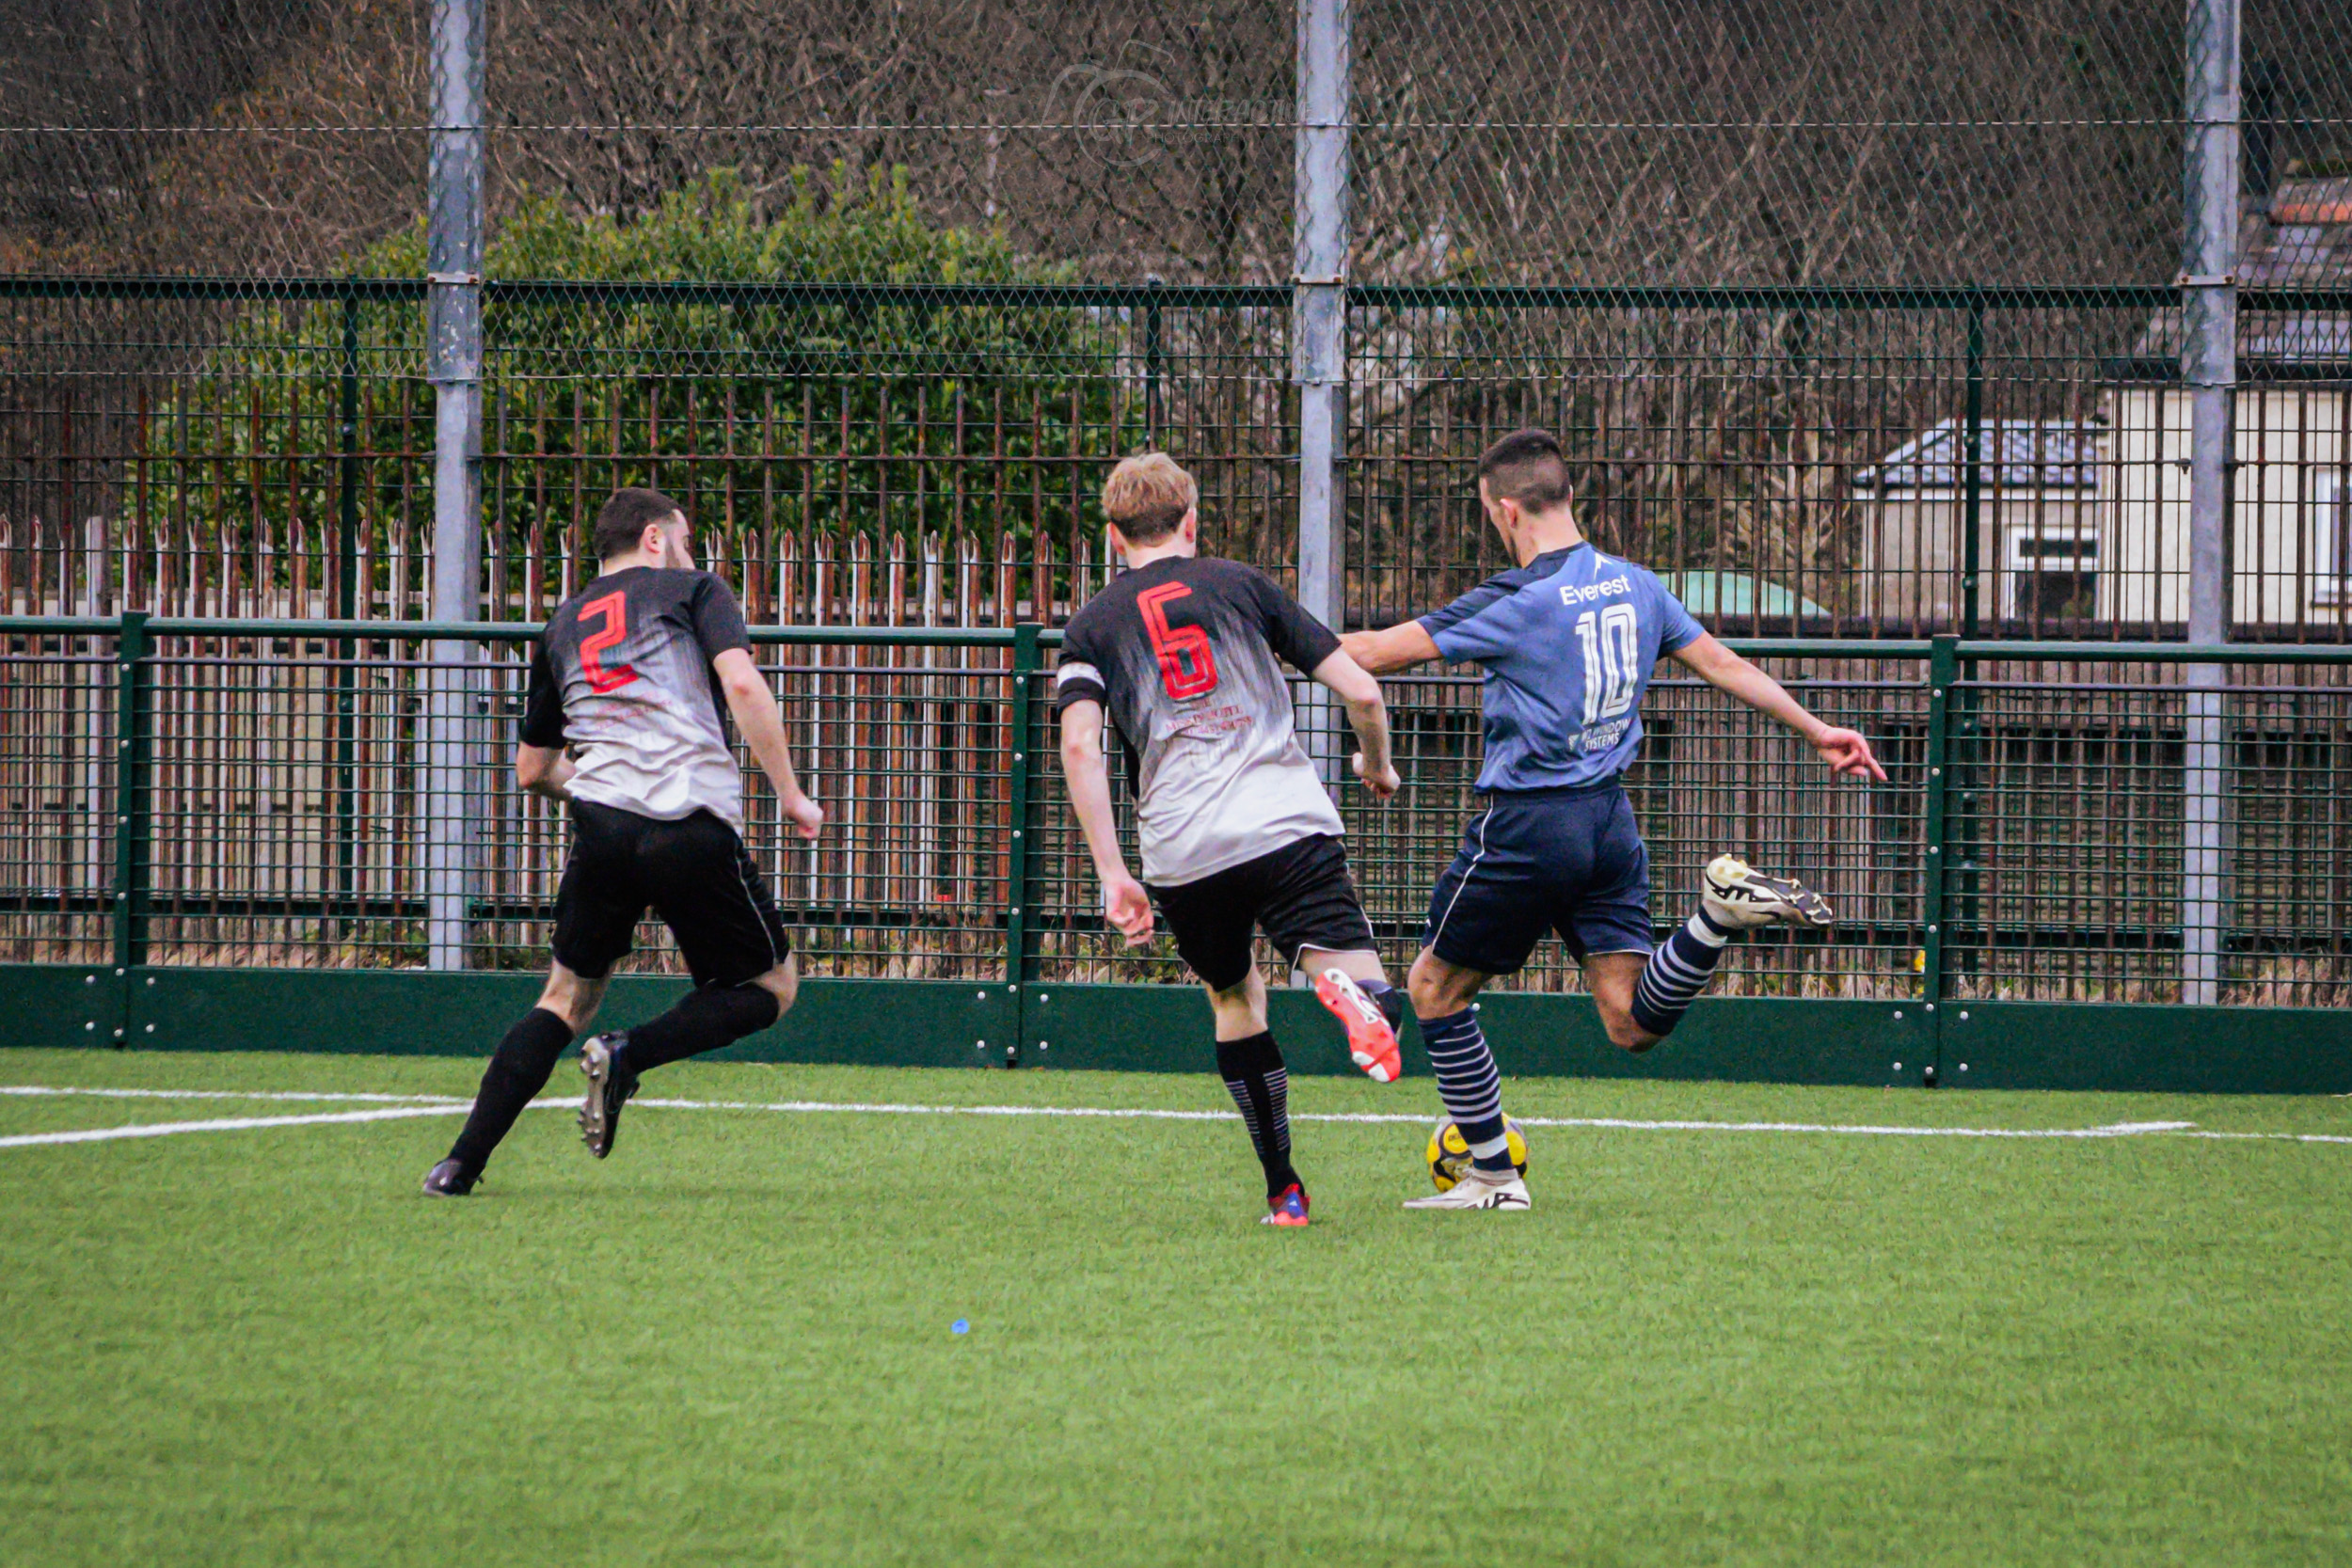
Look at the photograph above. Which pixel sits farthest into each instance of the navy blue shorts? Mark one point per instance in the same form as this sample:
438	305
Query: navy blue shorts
1570	860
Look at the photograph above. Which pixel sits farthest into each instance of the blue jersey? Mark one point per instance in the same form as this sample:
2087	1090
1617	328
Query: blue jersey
1568	642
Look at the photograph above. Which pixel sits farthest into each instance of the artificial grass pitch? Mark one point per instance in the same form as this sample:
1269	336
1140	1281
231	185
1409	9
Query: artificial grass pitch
734	1341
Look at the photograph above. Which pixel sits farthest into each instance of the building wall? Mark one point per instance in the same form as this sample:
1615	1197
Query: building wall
2291	453
2293	487
1911	542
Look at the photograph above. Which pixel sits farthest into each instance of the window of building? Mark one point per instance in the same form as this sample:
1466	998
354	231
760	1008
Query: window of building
2331	536
2054	575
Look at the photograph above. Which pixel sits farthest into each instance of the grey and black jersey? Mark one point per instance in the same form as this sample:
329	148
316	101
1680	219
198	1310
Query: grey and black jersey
1186	654
623	675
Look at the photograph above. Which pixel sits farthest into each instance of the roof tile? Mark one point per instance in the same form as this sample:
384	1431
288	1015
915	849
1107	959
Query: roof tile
2033	455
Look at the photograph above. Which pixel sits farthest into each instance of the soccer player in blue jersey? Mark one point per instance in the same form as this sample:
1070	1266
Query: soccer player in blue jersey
1568	639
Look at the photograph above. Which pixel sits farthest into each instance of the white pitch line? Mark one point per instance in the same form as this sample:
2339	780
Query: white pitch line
229	1124
2117	1130
884	1108
2276	1137
27	1090
2114	1129
396	1107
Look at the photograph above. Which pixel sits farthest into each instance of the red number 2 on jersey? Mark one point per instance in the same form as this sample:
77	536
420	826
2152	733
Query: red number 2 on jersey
1187	668
613	609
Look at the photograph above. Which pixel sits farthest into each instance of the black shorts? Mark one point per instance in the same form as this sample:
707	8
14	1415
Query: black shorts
1301	894
694	873
1570	860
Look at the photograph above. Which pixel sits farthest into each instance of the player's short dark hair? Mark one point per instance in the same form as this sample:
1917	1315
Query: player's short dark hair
625	517
1526	467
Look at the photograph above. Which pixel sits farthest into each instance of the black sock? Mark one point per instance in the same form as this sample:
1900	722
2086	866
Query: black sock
702	1021
517	1072
1261	1085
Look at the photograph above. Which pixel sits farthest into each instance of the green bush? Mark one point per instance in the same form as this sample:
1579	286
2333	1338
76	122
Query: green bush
767	418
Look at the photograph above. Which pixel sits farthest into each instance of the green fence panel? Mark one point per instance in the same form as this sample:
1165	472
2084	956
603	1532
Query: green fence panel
211	837
58	1006
411	1012
2144	1047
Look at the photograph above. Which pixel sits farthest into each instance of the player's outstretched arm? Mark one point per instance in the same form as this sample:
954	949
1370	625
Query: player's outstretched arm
1384	652
1845	751
755	709
1368	716
1125	905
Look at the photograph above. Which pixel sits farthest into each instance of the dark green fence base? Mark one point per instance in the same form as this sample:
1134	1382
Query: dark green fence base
2009	1045
54	1005
1161	1028
1165	1029
2057	1045
1729	1039
411	1012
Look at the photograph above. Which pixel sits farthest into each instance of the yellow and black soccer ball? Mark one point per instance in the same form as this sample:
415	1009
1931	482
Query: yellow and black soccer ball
1450	1152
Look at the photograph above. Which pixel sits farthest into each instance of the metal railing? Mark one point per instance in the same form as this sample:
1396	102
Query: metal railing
181	793
1815	461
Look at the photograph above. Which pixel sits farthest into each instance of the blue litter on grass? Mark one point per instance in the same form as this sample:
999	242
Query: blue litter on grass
961	1325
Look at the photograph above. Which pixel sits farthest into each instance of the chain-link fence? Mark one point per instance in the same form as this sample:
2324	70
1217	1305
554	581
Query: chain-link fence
1890	463
1548	141
1875	345
245	139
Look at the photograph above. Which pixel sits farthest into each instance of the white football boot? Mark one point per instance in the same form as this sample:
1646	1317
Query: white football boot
1737	896
1479	1189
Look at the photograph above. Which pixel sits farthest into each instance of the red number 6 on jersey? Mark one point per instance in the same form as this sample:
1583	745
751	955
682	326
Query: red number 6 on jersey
613	609
1187	668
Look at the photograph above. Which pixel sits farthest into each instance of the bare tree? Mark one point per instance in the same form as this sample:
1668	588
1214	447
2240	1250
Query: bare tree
1818	141
238	135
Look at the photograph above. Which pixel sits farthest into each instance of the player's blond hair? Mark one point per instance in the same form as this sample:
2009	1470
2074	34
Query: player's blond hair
1146	497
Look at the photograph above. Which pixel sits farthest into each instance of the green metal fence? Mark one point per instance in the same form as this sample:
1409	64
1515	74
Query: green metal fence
191	804
1797	461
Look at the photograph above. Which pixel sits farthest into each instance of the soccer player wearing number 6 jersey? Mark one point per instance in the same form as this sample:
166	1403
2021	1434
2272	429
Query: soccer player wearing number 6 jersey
1238	832
1568	638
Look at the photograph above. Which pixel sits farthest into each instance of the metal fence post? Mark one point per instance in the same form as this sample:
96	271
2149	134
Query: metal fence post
134	802
1152	352
1027	659
2209	369
347	467
454	346
1972	476
1943	673
1959	870
1319	333
347	601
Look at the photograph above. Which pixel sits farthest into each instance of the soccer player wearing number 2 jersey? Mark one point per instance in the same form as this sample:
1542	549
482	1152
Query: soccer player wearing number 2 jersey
1568	639
625	723
1238	832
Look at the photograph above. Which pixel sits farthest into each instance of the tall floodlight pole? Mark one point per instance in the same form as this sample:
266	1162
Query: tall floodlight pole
1319	330
454	364
2209	370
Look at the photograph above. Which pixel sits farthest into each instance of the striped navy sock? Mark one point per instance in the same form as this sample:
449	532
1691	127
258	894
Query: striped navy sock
1261	1086
1677	972
1469	1084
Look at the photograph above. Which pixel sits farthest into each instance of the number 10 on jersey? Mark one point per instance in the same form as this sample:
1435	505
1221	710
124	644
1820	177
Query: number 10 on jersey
1610	639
